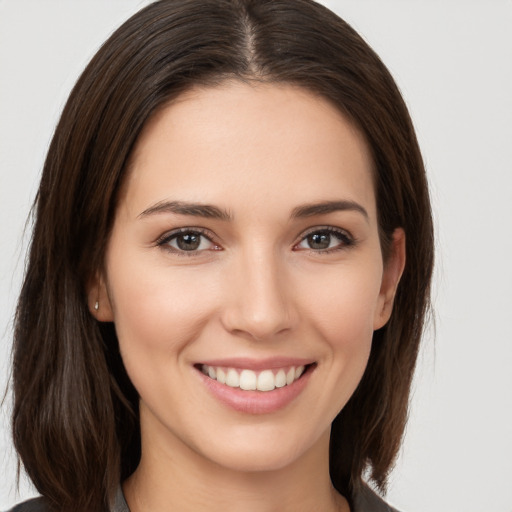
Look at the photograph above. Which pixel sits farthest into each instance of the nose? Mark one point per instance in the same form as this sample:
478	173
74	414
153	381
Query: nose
260	304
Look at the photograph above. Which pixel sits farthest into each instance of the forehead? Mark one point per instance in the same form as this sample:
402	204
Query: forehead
257	140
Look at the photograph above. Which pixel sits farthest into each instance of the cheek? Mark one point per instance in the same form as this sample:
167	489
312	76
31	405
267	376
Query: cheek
341	312
157	314
157	311
343	303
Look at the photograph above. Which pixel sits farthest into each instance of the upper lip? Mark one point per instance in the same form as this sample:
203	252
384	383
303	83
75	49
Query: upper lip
258	364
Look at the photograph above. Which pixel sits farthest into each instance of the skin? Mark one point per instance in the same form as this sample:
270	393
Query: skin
254	288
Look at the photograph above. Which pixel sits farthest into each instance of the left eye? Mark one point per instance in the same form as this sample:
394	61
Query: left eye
188	241
324	239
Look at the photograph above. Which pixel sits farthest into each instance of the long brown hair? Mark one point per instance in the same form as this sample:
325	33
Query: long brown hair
75	419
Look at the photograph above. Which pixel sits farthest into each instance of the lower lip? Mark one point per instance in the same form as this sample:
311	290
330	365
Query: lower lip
256	402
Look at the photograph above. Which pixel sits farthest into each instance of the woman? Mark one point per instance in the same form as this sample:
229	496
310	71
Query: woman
229	271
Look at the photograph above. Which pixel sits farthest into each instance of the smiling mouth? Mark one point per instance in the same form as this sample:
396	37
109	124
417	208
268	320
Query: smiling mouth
249	380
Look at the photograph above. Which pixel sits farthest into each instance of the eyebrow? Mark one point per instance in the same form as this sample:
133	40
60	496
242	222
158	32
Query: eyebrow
185	208
325	207
213	212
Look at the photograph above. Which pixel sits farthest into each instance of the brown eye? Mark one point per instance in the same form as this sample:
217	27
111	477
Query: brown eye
319	240
325	240
187	241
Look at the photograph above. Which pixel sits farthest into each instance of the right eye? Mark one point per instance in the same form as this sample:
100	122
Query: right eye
189	241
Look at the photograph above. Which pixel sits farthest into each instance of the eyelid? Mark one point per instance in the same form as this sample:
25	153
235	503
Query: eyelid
342	233
163	240
347	239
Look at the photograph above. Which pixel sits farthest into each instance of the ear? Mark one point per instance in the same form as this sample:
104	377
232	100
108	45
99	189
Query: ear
393	269
98	299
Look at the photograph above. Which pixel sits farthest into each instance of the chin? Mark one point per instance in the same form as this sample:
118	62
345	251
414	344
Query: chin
255	461
258	452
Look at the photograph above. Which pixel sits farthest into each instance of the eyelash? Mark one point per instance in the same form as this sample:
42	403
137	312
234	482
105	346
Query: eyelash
164	240
346	240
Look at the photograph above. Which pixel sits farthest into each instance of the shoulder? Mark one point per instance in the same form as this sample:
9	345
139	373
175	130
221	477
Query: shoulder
33	505
368	501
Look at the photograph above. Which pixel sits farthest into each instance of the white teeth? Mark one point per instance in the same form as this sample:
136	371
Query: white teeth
280	379
266	381
232	378
249	380
221	376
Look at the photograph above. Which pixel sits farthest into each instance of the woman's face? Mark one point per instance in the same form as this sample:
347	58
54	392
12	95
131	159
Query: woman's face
245	254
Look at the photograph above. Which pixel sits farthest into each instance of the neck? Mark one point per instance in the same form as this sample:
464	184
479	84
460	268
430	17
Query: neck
175	477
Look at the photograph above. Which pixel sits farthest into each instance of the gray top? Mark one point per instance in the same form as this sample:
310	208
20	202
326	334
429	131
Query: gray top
365	501
120	504
369	501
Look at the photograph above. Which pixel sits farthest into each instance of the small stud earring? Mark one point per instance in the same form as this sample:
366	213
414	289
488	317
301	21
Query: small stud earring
96	306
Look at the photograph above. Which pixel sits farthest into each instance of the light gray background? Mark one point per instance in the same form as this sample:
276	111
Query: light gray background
453	62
